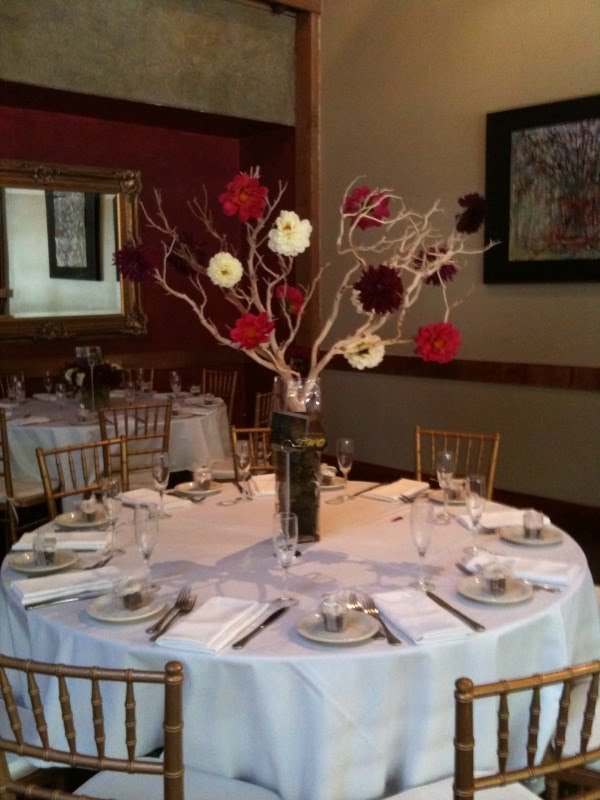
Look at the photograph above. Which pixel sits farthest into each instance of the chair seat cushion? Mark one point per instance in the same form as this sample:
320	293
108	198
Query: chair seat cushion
442	790
150	787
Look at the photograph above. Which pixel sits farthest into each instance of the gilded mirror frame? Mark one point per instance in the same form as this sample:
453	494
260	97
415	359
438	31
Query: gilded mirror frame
126	185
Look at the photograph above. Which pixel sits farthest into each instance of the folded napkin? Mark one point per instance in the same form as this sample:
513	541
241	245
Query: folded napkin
199	412
497	519
393	491
65	584
213	626
263	485
419	618
69	540
29	420
527	569
46	396
138	497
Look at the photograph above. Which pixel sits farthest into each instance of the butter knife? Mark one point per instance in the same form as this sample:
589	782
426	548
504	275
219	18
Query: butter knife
271	618
368	489
72	598
467	620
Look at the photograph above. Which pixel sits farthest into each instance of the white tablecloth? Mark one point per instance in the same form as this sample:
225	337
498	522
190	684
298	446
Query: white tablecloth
318	722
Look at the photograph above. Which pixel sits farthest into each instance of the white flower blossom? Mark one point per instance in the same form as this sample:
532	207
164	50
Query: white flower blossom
224	270
365	353
355	300
290	235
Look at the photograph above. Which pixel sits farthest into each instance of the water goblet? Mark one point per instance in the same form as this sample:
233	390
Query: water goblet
445	466
475	501
48	382
60	390
285	542
420	531
345	457
175	383
242	455
146	526
112	502
160	472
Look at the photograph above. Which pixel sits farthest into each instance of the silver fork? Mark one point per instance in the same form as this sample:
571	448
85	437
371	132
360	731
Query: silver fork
184	608
371	609
354	604
181	598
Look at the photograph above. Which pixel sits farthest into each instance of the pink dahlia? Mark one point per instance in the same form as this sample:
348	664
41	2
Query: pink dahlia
438	341
445	274
380	290
360	199
245	197
471	219
133	262
251	330
291	298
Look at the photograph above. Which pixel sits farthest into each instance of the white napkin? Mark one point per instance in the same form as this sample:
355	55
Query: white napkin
199	412
29	420
69	540
393	491
6	404
137	497
497	519
263	485
420	618
527	569
217	623
46	396
65	584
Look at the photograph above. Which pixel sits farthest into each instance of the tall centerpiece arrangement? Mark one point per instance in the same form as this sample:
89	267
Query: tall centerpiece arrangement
93	381
389	255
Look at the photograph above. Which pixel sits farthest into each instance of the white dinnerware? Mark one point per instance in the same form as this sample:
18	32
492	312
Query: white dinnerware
108	608
476	588
359	627
516	535
26	562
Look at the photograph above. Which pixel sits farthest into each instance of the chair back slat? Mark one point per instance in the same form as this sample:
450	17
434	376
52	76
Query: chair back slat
64	698
533	728
589	713
98	718
38	709
10	706
130	722
563	718
263	408
259	442
146	428
222	383
503	724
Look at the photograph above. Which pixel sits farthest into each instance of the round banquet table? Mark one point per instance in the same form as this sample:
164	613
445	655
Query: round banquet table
313	721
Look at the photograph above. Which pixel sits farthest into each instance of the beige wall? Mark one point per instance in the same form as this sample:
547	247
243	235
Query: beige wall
406	86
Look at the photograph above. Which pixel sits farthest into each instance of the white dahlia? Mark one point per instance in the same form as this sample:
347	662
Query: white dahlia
290	235
365	353
224	270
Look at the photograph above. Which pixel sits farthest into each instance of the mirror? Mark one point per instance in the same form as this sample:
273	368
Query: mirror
59	228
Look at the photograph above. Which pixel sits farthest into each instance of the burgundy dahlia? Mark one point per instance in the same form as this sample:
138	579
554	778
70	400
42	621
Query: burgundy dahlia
133	262
446	273
471	219
360	199
380	289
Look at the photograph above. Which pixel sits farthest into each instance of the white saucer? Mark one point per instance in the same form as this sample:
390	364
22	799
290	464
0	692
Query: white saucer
190	489
338	483
475	588
516	535
359	627
108	608
437	495
25	562
76	521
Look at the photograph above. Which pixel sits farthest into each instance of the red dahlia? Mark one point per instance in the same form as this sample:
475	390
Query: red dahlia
251	330
245	197
438	341
362	198
380	290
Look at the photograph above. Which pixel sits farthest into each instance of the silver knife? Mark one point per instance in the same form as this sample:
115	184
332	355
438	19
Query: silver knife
467	620
368	489
271	618
70	599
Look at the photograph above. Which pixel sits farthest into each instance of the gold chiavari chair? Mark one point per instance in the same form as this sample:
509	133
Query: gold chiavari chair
474	453
221	383
79	469
15	495
259	442
263	407
574	689
147	430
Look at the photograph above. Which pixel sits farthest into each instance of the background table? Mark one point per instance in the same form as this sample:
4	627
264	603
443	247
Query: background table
308	720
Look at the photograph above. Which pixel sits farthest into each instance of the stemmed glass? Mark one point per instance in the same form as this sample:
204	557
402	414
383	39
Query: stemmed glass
160	472
92	359
146	524
285	542
48	382
420	530
242	454
345	457
445	467
475	501
112	503
175	383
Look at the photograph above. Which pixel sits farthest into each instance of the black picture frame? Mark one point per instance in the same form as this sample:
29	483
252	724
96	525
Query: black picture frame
73	216
529	160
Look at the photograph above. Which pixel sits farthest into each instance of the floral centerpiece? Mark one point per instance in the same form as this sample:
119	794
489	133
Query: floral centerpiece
93	382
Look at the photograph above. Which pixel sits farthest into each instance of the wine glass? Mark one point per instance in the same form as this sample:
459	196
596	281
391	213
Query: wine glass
475	501
146	525
445	466
242	454
112	503
175	383
344	450
285	542
48	382
160	472
420	530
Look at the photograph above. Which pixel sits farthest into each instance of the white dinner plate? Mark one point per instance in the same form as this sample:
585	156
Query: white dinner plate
338	483
437	495
182	414
76	521
191	489
109	608
475	588
516	535
358	628
25	562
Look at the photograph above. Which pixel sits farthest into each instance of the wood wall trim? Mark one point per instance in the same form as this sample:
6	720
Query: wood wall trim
549	376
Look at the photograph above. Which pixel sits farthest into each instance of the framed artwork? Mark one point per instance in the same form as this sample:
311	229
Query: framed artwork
72	219
542	193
